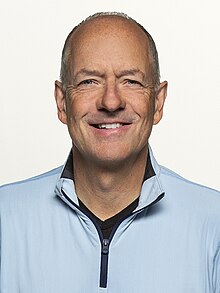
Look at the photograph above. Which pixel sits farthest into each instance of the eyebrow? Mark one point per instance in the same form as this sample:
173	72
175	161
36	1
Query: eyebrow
85	72
132	71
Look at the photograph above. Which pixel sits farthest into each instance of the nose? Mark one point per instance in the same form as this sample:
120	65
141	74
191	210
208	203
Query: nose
111	100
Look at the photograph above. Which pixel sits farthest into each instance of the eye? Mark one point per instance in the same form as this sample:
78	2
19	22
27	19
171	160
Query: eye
133	82
86	82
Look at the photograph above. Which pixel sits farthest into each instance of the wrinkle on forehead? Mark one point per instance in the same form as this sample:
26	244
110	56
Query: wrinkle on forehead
121	73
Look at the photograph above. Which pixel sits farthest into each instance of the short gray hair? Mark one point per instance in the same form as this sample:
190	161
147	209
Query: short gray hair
65	68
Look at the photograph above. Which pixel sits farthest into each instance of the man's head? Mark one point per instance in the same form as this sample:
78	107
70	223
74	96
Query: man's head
110	95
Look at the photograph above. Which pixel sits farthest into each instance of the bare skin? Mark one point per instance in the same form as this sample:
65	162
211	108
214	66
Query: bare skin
110	106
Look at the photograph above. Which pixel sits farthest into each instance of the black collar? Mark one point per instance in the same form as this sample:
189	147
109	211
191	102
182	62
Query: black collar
69	174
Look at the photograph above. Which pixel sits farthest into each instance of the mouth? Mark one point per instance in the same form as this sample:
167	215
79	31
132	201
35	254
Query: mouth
109	125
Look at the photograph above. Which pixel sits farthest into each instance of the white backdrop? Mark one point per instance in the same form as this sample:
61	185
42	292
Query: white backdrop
187	37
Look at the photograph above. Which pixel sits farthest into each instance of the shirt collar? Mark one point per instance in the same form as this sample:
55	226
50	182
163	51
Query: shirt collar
68	172
151	191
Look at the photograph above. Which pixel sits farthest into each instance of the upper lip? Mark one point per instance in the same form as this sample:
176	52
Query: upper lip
109	121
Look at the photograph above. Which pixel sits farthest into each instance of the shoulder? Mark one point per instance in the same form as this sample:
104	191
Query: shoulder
34	185
172	177
193	194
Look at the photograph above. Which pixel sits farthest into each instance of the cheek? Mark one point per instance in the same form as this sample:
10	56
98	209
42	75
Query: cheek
76	109
144	107
149	105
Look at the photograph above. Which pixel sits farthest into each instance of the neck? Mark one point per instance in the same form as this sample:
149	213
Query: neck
108	190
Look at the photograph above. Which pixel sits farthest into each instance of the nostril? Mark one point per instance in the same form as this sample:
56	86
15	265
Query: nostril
111	112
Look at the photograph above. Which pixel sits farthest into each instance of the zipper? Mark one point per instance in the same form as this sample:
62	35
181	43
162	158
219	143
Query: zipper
105	243
104	263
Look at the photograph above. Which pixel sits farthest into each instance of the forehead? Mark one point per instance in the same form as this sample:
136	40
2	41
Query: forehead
112	24
116	37
103	28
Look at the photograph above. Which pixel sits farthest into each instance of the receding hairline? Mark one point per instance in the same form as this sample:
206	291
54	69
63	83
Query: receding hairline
66	53
104	21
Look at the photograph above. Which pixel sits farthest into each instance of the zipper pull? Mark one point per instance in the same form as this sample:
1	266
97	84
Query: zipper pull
105	246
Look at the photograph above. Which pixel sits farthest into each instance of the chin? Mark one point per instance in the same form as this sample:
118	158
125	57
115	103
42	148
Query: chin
111	159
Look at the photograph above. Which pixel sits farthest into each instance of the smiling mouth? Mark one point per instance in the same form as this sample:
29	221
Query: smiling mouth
109	125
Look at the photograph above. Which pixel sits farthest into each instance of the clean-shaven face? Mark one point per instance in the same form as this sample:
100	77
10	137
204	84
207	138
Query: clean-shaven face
110	99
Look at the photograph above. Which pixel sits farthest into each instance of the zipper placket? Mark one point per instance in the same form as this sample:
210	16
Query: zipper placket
105	243
104	263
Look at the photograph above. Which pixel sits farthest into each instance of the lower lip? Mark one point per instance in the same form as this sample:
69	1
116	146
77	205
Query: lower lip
104	132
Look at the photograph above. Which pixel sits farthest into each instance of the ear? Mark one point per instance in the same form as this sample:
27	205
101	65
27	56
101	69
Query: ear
60	101
159	102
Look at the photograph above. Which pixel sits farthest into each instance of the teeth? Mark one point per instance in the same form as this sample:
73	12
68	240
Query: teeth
110	126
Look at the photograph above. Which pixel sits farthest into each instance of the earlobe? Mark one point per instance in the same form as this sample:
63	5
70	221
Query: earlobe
60	101
159	102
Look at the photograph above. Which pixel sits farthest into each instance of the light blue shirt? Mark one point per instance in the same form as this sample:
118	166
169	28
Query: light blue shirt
169	244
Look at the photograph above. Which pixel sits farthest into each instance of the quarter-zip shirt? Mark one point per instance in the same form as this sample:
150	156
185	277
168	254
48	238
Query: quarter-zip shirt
49	244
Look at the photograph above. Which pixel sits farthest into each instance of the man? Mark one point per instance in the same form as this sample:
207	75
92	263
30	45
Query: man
112	219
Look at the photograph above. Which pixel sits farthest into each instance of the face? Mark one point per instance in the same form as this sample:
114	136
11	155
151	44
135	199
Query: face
111	102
